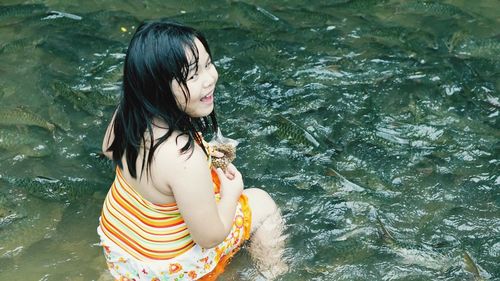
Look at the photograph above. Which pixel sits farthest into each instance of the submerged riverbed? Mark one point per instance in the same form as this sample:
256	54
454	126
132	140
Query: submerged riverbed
373	124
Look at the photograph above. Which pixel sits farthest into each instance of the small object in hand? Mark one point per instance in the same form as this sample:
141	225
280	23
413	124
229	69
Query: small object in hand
229	155
226	146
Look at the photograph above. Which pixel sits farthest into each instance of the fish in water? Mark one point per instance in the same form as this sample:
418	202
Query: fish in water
344	184
17	142
359	4
472	267
416	254
246	14
38	151
99	160
58	14
290	130
31	226
59	117
8	213
22	10
61	190
20	44
109	67
467	46
23	116
431	9
10	139
78	99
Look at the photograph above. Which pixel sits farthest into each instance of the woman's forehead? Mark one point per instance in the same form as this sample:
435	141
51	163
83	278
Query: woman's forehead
198	53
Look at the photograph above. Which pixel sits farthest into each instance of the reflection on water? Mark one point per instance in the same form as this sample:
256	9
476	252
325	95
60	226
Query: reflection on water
374	124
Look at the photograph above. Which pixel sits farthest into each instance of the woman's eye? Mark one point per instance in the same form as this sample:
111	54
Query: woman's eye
208	64
194	76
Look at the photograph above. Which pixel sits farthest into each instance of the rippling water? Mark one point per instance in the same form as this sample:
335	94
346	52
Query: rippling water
359	117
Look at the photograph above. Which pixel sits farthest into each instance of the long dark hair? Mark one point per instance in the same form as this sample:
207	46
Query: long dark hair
155	57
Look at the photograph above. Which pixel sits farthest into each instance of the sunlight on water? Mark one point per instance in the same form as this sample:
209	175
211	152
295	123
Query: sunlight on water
373	124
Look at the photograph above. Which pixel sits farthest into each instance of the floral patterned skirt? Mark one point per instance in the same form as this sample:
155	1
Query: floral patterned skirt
196	264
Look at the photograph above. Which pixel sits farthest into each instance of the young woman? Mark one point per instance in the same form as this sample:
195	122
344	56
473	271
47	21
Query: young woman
169	215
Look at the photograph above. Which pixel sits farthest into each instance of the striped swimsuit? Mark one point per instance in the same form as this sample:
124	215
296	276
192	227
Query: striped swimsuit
146	241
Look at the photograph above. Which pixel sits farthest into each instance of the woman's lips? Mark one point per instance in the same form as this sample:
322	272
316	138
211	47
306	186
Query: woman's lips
208	98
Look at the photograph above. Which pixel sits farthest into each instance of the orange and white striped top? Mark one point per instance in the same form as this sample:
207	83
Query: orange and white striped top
145	230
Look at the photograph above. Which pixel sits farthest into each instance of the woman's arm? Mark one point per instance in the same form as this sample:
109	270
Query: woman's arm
109	136
209	222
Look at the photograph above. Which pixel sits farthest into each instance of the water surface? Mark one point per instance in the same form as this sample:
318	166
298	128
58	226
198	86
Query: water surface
354	115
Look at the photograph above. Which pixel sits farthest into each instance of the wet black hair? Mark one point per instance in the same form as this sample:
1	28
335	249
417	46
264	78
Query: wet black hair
157	54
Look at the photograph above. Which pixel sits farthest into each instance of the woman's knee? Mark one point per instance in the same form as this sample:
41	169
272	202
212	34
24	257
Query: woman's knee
261	204
260	199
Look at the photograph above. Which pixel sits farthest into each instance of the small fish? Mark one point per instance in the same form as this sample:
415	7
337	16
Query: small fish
22	10
455	40
6	90
290	130
34	151
8	212
105	66
354	233
416	254
464	45
20	44
100	161
108	73
359	4
61	190
250	15
31	226
394	34
12	138
22	116
345	184
79	100
386	235
23	144
472	267
57	14
494	101
37	151
432	8
267	13
485	48
59	117
263	47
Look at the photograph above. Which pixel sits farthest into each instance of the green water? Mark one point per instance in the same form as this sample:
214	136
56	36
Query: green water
399	99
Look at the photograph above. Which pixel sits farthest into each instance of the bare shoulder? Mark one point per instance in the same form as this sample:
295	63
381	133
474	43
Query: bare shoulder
169	152
171	167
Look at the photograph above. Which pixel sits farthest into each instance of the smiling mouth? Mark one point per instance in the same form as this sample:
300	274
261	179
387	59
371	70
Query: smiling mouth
208	97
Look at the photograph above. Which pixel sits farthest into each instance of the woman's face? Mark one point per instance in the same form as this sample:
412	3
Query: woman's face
200	83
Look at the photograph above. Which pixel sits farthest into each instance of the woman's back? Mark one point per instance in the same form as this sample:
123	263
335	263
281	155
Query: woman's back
145	230
149	185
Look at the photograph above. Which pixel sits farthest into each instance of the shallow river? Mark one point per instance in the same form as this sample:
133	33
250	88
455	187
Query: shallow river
373	124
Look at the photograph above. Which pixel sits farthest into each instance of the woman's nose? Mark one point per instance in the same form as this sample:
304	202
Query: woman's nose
211	77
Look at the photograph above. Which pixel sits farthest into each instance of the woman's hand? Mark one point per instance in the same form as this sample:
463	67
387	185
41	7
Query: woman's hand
216	153
231	182
231	172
